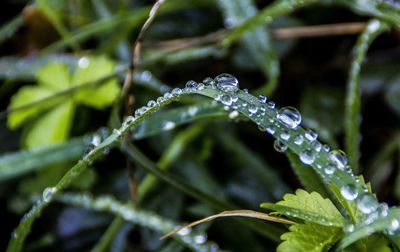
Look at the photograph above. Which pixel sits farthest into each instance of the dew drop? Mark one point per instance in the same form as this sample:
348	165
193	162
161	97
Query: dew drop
151	104
271	129
285	136
329	170
252	109
349	192
209	82
48	193
326	147
307	157
349	228
234	114
168	125
226	100
289	116
394	225
160	100
262	98
367	204
339	158
227	82
168	95
279	146
271	104
316	146
310	135
185	231
191	85
298	140
200	238
83	62
176	91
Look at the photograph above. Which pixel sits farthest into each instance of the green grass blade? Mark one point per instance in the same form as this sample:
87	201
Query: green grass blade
136	216
109	235
19	163
276	9
170	119
353	98
257	42
8	29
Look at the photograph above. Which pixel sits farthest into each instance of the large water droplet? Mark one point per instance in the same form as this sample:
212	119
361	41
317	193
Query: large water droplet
279	146
227	82
338	158
307	157
367	203
349	192
289	116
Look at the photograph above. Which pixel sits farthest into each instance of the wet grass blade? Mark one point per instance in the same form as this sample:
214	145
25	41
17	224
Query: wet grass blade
353	97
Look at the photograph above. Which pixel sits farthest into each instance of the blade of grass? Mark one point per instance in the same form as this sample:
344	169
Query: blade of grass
128	213
8	29
257	42
353	97
108	236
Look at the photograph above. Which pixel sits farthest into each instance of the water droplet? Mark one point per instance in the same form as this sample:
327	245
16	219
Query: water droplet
289	116
160	100
116	131
233	114
316	146
394	225
338	158
48	193
349	192
83	62
246	90
191	85
307	157
367	203
168	125
209	82
184	231
271	129
271	104
280	146
285	135
329	170
151	104
226	99
227	82
176	91
298	140
96	139
263	98
326	147
168	95
252	109
200	86
200	238
310	135
349	228
106	151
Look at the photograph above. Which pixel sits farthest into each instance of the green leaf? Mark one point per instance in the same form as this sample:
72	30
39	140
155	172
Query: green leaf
54	76
89	71
52	128
309	207
308	237
373	243
27	95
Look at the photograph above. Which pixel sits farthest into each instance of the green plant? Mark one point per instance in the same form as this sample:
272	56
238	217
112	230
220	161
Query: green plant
337	211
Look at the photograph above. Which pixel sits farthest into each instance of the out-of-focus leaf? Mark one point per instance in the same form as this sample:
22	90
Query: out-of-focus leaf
92	69
27	95
7	30
51	128
22	162
371	243
392	95
55	76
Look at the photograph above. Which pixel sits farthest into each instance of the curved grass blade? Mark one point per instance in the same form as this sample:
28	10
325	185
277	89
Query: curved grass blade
136	216
8	29
353	98
19	163
233	213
